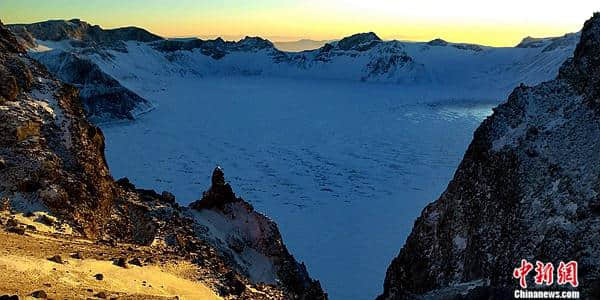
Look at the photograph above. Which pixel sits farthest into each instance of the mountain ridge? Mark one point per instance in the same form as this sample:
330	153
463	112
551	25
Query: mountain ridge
463	66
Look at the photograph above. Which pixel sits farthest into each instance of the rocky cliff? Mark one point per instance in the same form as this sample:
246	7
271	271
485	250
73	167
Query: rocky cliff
527	188
52	165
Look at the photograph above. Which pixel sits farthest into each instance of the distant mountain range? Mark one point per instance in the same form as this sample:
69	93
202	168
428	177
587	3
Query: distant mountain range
102	63
301	45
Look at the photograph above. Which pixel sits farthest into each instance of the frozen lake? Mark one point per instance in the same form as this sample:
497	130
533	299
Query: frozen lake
344	168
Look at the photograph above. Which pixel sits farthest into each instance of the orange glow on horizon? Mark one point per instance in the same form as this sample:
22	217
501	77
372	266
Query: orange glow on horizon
493	23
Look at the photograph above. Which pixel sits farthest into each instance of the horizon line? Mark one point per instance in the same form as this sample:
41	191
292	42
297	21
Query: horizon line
287	39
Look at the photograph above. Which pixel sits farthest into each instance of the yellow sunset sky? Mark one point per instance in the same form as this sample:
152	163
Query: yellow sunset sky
496	23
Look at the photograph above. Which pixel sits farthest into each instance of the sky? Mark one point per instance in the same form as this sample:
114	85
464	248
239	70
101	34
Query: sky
494	23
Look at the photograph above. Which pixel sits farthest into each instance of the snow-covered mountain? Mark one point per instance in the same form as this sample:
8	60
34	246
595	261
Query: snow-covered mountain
103	97
527	188
134	57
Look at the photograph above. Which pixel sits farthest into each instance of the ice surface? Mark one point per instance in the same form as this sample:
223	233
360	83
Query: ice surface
343	167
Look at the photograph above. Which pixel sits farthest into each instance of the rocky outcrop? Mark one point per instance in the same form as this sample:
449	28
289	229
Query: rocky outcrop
527	188
253	241
52	163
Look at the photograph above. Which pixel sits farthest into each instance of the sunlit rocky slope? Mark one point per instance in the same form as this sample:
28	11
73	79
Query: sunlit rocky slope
57	193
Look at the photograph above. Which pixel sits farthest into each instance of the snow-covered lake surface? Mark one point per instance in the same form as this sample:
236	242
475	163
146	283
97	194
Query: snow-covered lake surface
343	167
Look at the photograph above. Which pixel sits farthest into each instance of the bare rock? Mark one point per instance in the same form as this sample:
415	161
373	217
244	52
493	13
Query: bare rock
16	230
39	294
8	86
57	259
122	262
136	262
44	219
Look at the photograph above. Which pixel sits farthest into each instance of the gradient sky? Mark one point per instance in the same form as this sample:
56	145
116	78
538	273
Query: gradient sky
498	23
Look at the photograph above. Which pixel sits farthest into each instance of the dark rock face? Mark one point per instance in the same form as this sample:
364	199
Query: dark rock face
219	194
526	189
583	71
103	97
8	42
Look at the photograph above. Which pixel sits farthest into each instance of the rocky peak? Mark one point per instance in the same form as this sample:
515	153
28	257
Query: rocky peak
437	42
358	41
219	193
251	234
218	177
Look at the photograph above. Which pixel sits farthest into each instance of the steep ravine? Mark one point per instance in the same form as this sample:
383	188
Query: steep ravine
527	188
52	163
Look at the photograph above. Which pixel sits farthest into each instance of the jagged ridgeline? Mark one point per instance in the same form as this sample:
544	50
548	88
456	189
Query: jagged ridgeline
52	166
527	188
118	70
